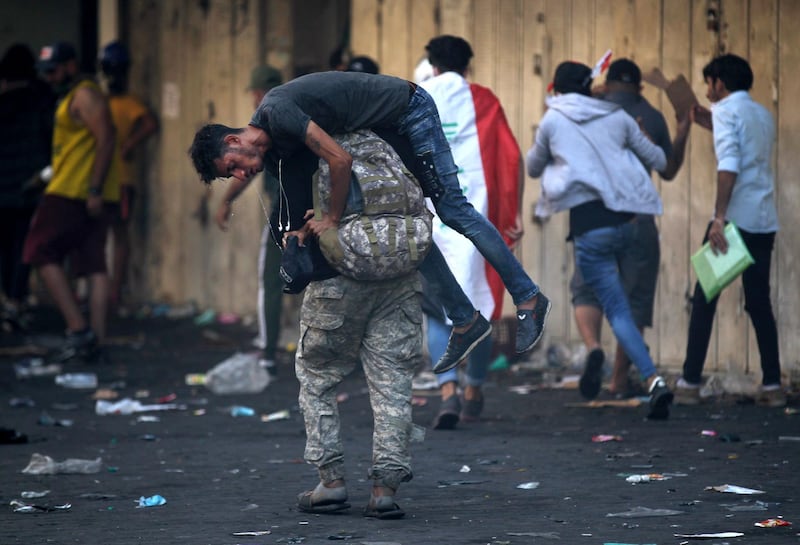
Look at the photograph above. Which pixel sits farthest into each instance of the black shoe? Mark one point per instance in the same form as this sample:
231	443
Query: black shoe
449	414
530	323
592	377
79	346
660	400
461	344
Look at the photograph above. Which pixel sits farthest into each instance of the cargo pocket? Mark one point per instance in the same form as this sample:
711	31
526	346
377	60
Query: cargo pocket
321	336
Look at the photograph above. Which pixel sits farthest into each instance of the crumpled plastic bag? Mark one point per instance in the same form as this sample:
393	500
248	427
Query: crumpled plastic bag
239	374
45	465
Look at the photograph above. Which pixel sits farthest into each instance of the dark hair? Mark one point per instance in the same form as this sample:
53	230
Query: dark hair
449	53
18	63
208	146
573	77
734	72
363	64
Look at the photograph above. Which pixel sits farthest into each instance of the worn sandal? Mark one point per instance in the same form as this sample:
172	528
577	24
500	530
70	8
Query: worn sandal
384	508
323	500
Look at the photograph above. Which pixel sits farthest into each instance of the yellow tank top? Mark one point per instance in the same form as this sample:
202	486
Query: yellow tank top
73	155
126	110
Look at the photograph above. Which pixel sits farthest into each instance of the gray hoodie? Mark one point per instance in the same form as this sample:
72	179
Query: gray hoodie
588	149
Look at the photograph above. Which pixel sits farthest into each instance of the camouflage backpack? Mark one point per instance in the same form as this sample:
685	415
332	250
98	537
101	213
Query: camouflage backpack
385	230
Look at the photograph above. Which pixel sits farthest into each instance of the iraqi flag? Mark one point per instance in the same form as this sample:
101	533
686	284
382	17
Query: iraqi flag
488	160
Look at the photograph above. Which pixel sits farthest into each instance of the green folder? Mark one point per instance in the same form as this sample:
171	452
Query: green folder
714	272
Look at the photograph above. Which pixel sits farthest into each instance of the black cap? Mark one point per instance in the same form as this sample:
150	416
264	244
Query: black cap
54	54
624	70
573	77
363	64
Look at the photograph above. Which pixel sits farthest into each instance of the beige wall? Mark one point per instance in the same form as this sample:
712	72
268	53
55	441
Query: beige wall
192	64
517	45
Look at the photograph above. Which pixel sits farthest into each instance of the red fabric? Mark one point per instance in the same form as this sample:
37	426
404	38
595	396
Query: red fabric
500	156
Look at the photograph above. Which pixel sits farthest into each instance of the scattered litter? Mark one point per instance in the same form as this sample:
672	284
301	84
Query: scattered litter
419	401
640	512
205	318
277	415
195	379
790	411
148	418
733	489
22	507
151	501
773	523
45	465
522	389
148	437
425	380
129	406
239	374
341	536
199	412
239	410
602	403
35	367
543	535
755	506
10	436
96	496
32	494
228	318
65	406
788	438
645	478
602	438
77	380
253	533
445	484
21	402
464	469
500	363
528	486
708	433
169	398
711	536
47	420
105	393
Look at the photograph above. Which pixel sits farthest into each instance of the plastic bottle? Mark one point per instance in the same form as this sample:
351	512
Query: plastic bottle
77	380
45	465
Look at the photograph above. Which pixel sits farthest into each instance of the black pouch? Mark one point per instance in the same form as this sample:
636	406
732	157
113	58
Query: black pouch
297	267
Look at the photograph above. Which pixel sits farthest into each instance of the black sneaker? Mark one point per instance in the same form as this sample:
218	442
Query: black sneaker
530	323
592	378
79	346
461	344
660	400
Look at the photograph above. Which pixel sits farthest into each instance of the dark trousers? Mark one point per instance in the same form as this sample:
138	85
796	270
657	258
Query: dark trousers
755	280
14	223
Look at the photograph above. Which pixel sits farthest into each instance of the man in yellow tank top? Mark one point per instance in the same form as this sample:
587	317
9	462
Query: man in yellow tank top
134	123
70	220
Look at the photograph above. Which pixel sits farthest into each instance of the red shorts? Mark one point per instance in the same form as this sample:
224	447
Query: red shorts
62	227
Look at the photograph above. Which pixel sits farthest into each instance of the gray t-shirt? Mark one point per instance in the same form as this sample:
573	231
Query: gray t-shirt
338	102
653	122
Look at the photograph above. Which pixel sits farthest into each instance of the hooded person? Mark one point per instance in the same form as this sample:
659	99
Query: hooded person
591	157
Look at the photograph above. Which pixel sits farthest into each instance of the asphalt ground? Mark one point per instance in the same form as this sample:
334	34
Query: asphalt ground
222	474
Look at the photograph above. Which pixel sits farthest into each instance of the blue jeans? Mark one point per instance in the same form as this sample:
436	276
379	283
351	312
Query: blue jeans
477	362
597	254
423	128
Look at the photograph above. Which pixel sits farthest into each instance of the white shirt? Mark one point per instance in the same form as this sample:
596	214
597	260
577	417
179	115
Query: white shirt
744	134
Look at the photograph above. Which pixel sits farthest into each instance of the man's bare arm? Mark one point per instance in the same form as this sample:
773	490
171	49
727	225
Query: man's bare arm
90	107
675	160
340	163
235	188
716	236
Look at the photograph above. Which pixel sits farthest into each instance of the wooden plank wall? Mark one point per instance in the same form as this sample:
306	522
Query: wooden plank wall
518	44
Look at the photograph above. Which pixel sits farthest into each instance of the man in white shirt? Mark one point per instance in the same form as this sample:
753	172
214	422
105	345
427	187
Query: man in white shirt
744	134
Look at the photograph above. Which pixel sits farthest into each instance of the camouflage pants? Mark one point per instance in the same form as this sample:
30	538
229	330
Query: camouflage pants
343	321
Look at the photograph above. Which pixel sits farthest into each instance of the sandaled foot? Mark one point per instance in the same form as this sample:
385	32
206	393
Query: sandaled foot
384	508
323	500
